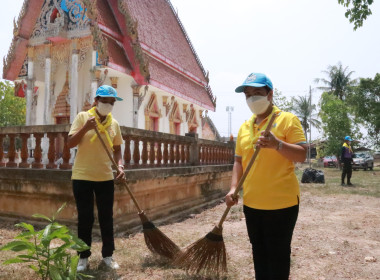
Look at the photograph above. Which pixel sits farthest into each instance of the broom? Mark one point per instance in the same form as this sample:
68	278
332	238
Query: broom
208	254
156	241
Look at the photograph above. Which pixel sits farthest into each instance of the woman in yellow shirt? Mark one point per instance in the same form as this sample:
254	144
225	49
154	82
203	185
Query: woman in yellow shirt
92	174
270	190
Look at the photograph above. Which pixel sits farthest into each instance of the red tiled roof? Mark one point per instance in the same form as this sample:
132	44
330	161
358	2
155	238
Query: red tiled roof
169	80
107	19
159	29
20	42
117	58
105	16
162	37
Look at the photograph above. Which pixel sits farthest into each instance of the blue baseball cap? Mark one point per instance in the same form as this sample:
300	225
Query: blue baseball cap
348	138
107	91
255	80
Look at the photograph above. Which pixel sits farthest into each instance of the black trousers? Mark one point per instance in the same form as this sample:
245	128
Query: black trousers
270	233
347	170
84	192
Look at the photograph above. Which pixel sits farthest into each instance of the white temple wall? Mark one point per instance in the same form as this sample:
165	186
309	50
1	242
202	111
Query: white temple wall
39	109
84	82
123	110
164	120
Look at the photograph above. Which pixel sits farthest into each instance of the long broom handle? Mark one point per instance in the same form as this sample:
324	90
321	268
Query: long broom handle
115	166
242	178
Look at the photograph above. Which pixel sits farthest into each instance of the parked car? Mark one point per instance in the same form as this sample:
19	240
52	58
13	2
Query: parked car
330	161
376	154
362	161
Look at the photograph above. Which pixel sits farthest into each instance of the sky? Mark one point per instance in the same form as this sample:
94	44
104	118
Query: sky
291	41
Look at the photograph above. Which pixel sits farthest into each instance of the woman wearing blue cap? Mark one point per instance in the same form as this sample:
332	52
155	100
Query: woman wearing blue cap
270	190
346	160
92	174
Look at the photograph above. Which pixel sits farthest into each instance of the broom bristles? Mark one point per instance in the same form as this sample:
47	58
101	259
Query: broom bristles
205	256
156	241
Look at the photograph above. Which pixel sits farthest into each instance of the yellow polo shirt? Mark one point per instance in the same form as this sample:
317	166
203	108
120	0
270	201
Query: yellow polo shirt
271	183
92	162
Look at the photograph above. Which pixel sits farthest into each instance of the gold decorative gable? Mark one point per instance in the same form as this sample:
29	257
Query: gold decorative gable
192	120
175	119
152	114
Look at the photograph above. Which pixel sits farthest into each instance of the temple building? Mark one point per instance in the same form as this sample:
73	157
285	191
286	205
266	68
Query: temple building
63	50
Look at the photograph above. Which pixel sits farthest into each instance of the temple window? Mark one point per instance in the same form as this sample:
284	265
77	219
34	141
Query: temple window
152	114
175	119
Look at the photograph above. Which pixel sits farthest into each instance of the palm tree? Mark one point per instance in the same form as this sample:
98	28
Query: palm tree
338	81
302	108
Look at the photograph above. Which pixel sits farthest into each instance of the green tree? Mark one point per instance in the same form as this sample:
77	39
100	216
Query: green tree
302	108
281	101
338	82
365	103
336	124
357	11
12	108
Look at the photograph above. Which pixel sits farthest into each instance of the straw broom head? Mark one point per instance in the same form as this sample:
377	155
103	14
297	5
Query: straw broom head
156	241
206	256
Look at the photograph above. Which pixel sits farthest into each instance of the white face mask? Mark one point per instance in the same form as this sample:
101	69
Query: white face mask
104	108
258	104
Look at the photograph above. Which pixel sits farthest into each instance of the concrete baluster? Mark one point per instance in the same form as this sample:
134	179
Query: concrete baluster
2	164
127	151
152	153
201	154
209	155
51	151
144	156
65	154
24	151
136	152
187	154
159	153
11	151
171	154
166	154
183	156
177	153
38	151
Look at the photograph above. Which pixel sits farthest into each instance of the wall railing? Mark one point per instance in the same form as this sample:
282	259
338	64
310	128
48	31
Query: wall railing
45	146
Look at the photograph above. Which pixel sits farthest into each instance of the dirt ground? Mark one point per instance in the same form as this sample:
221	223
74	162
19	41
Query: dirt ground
337	237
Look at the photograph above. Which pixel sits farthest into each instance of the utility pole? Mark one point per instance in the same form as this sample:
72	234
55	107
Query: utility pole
229	109
310	126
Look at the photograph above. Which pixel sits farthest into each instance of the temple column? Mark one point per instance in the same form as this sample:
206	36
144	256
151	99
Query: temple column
47	108
74	80
29	86
94	83
136	94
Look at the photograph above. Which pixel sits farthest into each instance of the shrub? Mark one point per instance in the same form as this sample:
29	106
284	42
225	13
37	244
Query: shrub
49	262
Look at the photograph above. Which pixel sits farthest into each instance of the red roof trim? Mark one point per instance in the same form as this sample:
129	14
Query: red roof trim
179	94
171	64
119	68
26	26
110	32
127	43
